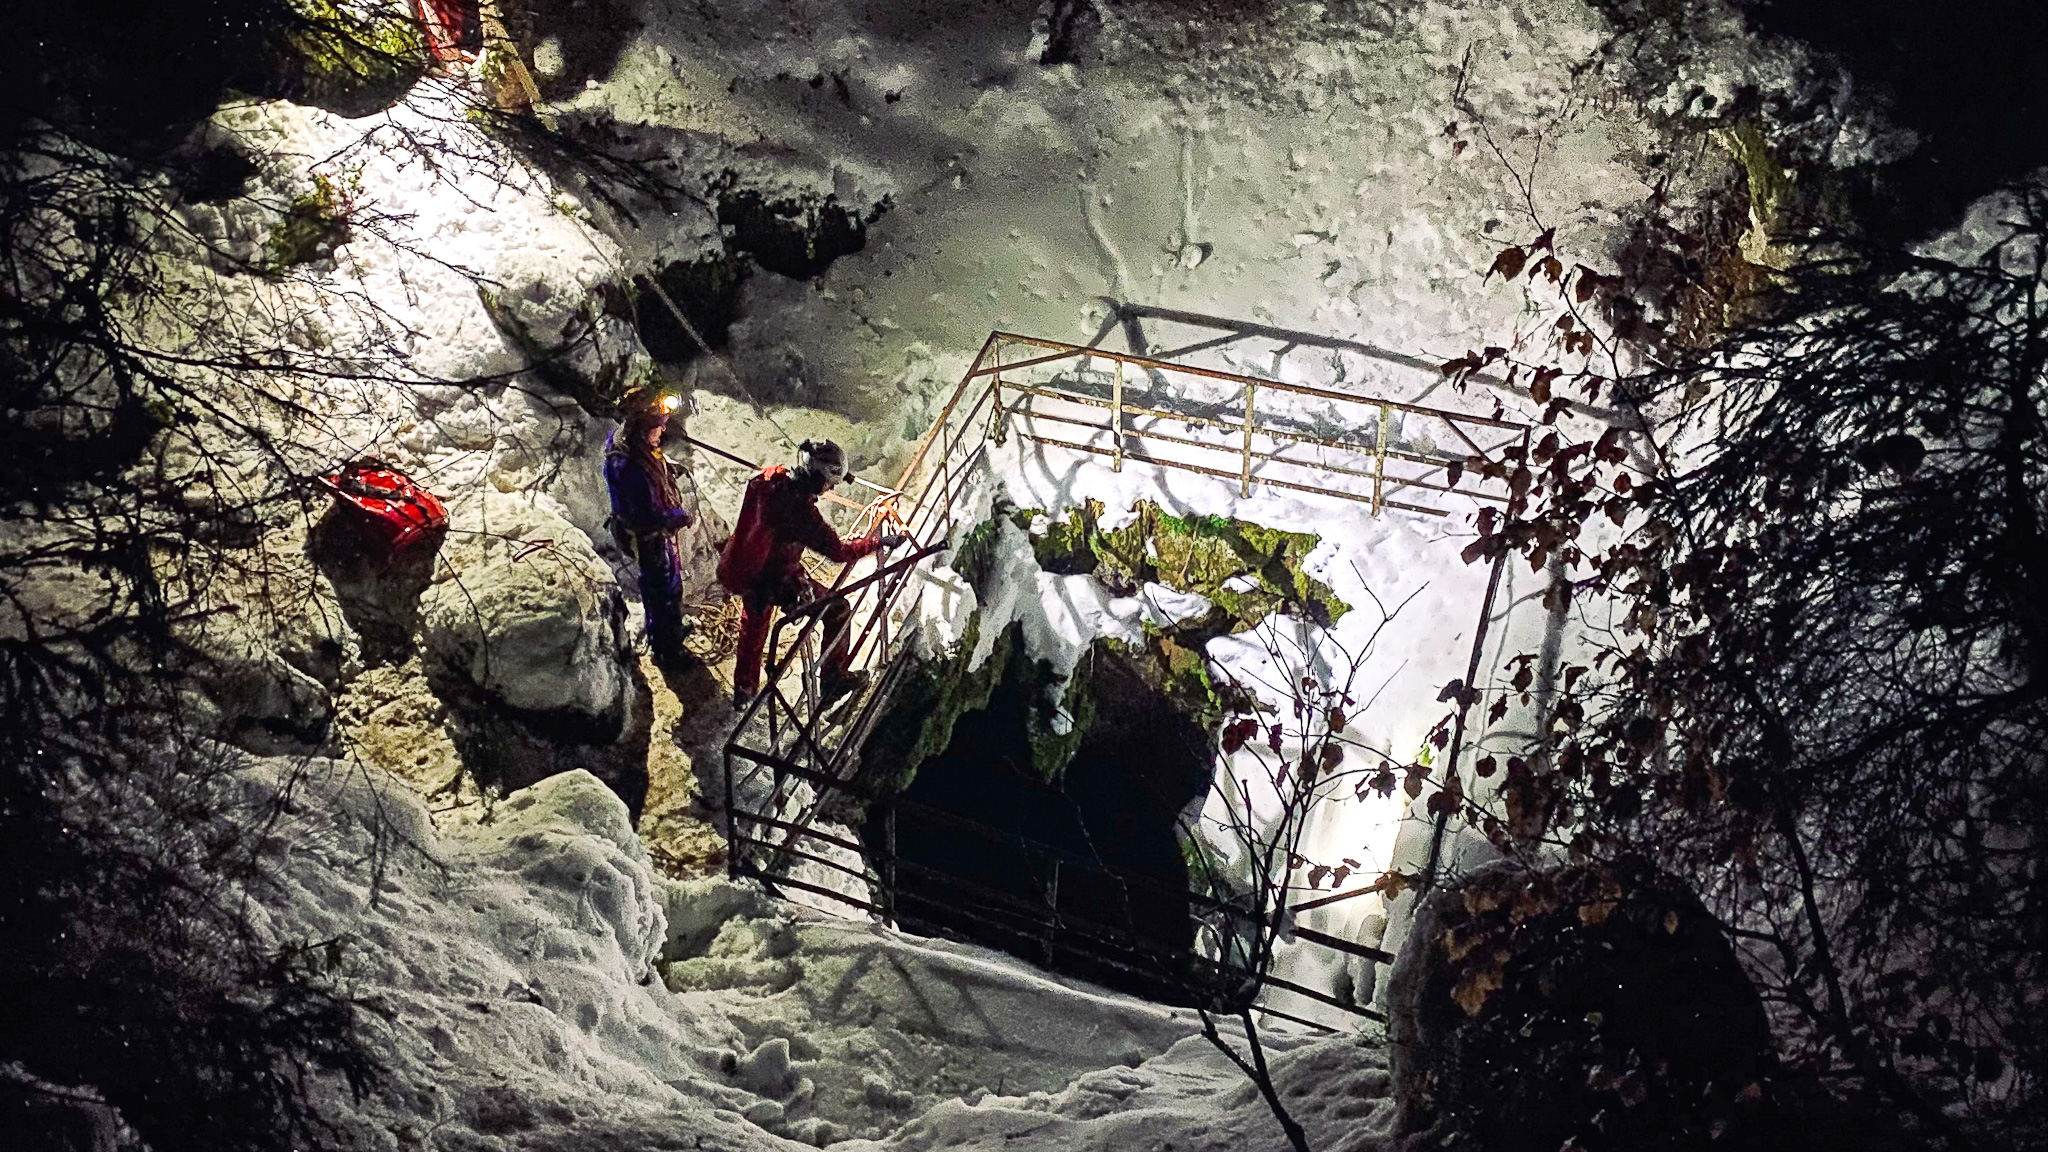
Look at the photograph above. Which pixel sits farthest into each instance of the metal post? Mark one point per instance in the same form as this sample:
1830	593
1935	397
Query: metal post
882	605
1116	419
998	426
1052	913
1244	481
1443	817
888	869
732	856
1379	464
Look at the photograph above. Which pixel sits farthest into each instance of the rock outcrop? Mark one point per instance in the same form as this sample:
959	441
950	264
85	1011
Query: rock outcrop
524	633
1586	1007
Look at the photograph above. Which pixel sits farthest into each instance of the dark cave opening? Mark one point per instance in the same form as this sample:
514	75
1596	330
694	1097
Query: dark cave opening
1964	77
707	292
1083	873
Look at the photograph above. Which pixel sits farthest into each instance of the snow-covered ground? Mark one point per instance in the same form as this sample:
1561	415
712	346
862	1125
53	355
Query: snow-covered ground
531	982
1347	169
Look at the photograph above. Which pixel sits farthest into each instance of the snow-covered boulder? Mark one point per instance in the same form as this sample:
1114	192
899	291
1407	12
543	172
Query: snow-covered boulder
522	608
507	959
1584	1005
523	633
570	833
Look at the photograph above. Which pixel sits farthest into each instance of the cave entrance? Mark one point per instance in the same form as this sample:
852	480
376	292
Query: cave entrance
1080	868
811	813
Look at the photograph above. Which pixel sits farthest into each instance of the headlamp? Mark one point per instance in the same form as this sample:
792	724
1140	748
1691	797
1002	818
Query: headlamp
670	403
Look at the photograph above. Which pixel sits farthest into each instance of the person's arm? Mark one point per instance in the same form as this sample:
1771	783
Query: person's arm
677	517
819	537
635	503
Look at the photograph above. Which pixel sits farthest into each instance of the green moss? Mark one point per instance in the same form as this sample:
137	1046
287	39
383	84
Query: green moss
1064	546
1771	185
1052	751
977	552
929	699
1200	554
313	227
1195	555
1772	193
352	60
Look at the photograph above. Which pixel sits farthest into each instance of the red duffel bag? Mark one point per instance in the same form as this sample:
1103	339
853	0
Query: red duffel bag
391	508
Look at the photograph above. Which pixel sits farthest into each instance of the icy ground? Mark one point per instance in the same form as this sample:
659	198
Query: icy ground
1342	168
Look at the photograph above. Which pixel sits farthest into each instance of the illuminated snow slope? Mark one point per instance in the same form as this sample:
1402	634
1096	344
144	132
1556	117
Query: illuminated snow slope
1323	170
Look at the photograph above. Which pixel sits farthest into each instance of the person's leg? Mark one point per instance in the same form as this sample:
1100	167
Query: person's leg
661	595
755	616
833	640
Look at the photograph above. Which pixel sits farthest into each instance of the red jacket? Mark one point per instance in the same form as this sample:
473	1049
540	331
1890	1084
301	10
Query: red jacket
763	561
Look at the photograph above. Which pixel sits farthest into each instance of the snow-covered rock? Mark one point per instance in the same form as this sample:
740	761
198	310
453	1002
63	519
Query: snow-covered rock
523	608
506	968
506	961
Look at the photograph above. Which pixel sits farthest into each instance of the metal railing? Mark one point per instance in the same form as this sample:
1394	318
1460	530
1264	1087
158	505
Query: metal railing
1412	453
788	759
792	783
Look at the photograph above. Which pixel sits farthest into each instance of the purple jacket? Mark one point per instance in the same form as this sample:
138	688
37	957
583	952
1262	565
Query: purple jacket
637	505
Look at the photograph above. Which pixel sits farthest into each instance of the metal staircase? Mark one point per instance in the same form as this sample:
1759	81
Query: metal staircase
795	800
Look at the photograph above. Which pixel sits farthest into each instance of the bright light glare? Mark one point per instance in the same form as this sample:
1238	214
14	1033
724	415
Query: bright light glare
670	403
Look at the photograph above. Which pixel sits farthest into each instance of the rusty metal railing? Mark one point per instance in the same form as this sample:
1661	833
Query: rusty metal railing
792	785
1253	445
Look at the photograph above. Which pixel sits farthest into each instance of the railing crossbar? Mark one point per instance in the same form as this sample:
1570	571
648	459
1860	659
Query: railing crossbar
1241	379
1393	482
814	760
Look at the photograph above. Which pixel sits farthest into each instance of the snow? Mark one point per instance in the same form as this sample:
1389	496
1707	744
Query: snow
1061	616
522	605
1403	564
533	983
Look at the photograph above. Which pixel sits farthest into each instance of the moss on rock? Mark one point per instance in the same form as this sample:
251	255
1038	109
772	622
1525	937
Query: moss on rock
929	699
1245	570
313	227
1206	555
352	59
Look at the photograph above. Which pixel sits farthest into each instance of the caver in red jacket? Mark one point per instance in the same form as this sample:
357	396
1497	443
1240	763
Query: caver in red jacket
763	564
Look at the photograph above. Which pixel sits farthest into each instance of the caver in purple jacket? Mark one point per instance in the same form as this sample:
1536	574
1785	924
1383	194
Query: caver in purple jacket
638	508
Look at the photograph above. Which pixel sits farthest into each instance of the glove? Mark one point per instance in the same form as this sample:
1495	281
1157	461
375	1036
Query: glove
893	540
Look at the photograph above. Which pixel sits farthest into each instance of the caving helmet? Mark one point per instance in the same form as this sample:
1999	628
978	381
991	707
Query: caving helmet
823	462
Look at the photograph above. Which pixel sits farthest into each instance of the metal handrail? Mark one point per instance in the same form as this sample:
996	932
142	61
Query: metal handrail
810	760
1070	350
818	604
1246	428
872	599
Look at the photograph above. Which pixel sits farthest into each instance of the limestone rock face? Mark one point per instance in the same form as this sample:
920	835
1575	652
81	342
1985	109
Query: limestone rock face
523	634
524	610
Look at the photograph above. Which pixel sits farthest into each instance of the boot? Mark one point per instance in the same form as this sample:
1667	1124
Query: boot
837	684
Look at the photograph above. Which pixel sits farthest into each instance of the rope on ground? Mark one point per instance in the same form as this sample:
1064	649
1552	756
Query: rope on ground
717	634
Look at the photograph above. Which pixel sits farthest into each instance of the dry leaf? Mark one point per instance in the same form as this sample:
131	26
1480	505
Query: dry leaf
1472	991
1508	264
